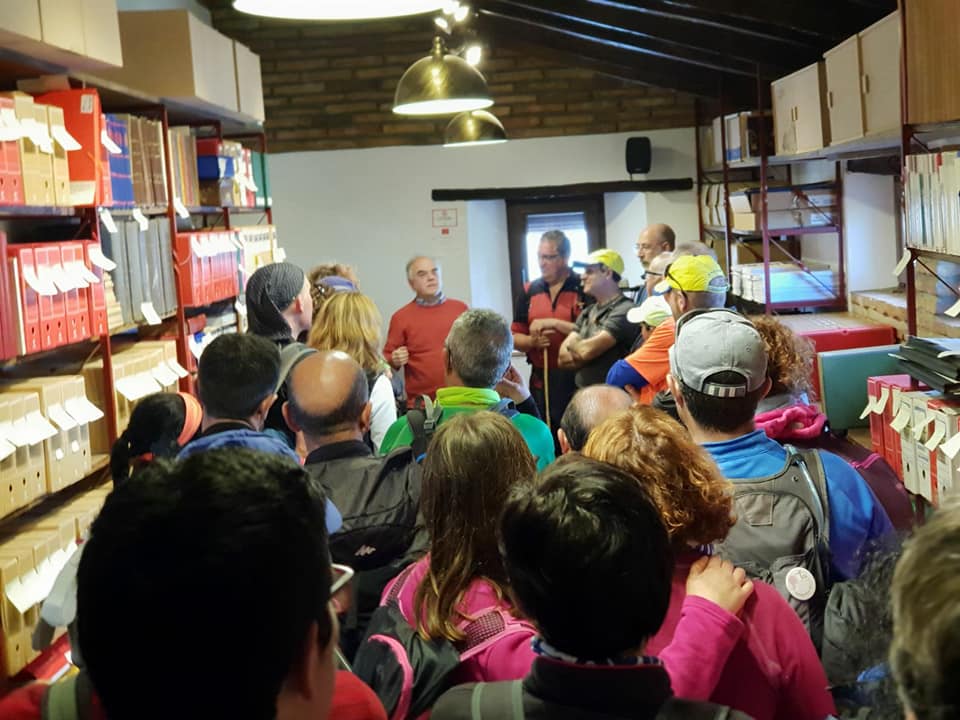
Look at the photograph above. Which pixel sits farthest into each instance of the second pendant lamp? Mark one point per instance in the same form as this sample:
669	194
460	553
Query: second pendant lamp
441	84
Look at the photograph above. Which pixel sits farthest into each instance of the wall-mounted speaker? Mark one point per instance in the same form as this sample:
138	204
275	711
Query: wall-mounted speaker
638	155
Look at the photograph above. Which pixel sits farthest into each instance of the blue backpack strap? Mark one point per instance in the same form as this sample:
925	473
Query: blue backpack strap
505	407
497	701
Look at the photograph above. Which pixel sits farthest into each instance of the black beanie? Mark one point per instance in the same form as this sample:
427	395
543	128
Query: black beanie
270	291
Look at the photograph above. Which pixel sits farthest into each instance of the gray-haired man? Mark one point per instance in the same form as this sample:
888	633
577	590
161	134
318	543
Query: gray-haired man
476	366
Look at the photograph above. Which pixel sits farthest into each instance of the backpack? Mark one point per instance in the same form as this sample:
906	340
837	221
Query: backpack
409	673
68	699
782	534
423	422
504	701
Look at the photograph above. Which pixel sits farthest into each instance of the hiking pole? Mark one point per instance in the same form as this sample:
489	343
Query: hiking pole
546	387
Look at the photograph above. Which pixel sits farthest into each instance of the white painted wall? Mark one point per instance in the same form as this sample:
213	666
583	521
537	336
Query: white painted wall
372	208
192	5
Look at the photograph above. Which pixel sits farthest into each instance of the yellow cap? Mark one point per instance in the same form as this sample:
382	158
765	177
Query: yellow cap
610	258
693	273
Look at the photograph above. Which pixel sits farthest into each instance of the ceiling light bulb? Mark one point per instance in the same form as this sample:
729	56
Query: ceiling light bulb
441	22
474	54
337	9
460	14
449	7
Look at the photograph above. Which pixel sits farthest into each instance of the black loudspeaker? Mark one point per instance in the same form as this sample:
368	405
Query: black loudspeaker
638	155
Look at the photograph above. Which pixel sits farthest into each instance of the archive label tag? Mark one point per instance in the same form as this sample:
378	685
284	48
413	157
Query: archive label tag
902	419
881	404
902	265
109	144
100	260
60	417
177	368
141	219
953	310
180	208
150	314
951	447
64	139
934	442
108	221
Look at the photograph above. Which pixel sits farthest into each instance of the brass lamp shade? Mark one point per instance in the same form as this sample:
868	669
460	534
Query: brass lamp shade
441	84
477	127
336	9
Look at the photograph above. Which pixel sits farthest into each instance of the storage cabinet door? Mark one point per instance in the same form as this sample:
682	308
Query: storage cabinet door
808	109
844	103
101	31
880	67
62	24
783	94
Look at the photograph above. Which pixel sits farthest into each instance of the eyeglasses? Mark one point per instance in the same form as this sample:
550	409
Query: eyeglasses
549	258
648	273
592	269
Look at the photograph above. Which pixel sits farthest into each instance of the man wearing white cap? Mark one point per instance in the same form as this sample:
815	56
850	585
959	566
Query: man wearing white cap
718	374
602	334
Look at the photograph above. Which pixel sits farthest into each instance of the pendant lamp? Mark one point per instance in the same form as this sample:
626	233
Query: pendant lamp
441	84
336	9
477	127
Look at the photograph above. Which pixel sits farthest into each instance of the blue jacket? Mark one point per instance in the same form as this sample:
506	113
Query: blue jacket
856	516
236	435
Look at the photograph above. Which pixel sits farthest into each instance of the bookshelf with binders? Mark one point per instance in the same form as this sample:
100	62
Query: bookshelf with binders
122	258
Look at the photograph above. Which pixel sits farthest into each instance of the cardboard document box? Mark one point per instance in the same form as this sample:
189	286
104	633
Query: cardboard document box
11	179
26	289
63	143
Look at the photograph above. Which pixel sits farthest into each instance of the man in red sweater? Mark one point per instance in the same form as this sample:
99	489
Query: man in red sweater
418	329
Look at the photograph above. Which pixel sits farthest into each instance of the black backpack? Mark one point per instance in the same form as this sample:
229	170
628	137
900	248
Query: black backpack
504	701
782	534
423	421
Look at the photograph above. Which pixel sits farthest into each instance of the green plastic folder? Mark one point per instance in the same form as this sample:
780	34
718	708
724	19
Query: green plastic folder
843	381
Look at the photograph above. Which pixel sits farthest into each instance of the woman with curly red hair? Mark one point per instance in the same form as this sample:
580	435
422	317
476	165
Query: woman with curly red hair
773	670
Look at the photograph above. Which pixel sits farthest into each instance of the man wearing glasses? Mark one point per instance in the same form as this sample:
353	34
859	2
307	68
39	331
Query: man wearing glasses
602	334
690	282
545	313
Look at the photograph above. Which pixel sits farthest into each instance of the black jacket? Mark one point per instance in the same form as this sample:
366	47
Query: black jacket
560	691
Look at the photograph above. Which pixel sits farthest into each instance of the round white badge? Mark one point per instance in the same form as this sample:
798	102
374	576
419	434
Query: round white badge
801	584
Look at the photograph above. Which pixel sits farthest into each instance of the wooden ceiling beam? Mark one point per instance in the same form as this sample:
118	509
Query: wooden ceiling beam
644	70
710	16
652	36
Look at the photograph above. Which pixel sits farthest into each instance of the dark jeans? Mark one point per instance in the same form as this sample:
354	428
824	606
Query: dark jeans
562	387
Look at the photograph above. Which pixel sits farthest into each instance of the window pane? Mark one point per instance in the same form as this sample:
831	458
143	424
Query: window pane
572	224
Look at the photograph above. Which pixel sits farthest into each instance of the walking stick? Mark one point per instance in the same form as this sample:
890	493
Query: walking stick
546	387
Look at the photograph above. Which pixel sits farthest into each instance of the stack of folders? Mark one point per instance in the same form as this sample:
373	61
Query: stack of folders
30	560
932	202
917	430
54	294
139	369
788	282
207	264
934	361
143	279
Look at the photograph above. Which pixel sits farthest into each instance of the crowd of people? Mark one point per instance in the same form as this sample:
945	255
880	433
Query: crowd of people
354	525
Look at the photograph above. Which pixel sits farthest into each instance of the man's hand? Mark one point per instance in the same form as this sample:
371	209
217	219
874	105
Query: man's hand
718	581
400	357
511	386
543	326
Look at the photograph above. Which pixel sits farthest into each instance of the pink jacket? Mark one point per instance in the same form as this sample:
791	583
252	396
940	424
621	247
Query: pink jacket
772	670
695	657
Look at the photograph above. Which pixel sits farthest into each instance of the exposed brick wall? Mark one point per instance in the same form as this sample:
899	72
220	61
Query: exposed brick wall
330	86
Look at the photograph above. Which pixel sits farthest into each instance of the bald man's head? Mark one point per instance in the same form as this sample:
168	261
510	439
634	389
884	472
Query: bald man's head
327	394
589	407
655	239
